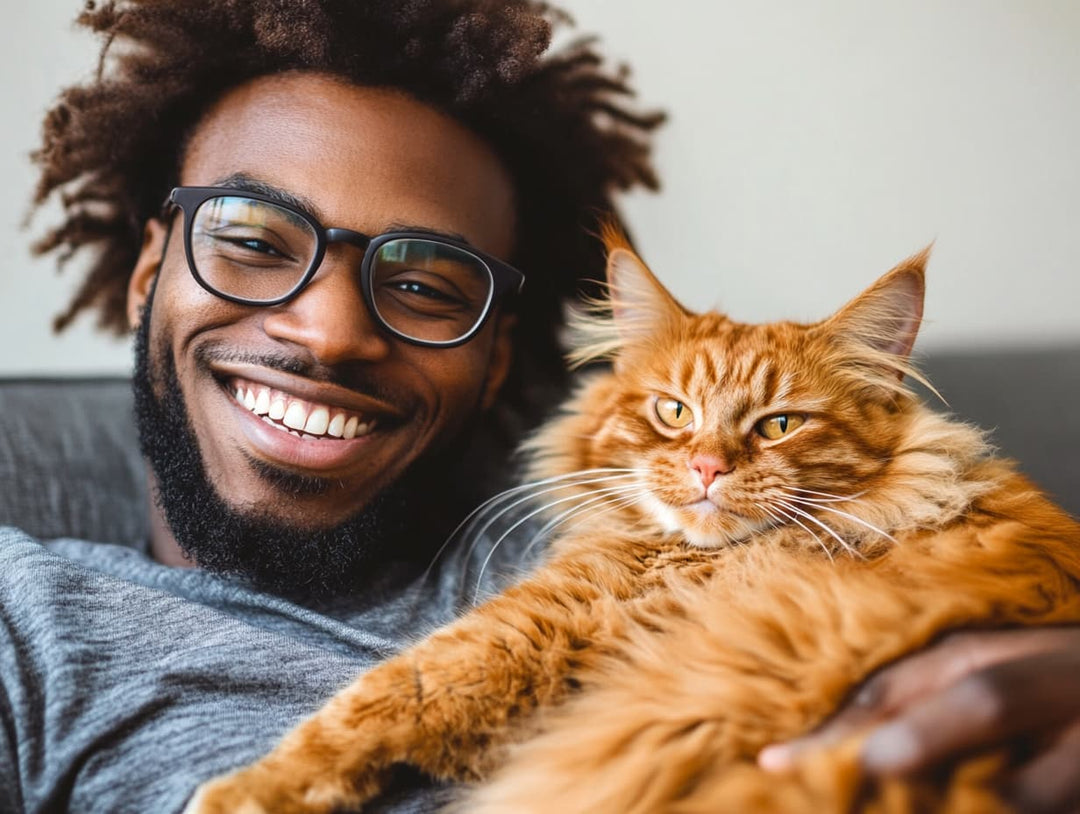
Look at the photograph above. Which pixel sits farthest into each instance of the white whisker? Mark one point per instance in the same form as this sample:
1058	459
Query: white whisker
529	516
535	494
777	520
558	519
614	503
850	516
564	481
826	497
808	530
828	529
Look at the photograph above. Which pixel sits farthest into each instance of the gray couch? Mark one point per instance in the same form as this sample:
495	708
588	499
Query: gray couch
69	466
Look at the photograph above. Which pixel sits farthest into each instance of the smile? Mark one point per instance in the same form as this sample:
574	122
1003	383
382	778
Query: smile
299	417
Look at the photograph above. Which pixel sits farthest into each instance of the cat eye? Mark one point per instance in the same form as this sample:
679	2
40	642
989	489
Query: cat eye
673	413
777	426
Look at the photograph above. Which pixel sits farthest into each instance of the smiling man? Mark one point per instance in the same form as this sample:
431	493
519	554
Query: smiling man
327	308
341	233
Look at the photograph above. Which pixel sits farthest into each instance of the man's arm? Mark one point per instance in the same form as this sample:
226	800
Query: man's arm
971	690
10	787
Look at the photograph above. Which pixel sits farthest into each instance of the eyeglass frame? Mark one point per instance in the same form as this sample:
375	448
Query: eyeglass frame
505	279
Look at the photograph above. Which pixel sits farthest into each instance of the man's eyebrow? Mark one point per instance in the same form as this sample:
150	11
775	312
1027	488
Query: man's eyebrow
398	226
242	182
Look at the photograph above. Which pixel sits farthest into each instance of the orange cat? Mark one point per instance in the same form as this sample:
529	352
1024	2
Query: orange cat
788	517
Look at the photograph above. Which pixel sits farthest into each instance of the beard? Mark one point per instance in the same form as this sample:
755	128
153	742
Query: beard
402	524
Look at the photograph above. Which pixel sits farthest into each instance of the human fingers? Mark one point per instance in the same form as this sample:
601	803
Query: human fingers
1049	783
880	696
918	676
1028	695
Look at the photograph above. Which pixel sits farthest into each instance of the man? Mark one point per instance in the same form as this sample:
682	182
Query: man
316	217
313	217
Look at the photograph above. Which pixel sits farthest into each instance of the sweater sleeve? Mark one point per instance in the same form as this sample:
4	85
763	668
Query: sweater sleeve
10	786
124	684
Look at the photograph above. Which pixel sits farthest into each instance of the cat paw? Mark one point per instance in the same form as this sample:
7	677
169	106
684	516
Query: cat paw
225	796
253	792
210	799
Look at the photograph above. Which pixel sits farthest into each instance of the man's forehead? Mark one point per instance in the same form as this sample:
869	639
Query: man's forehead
364	158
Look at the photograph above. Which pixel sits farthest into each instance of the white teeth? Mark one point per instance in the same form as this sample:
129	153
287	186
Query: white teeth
296	416
301	418
262	402
337	426
318	421
277	408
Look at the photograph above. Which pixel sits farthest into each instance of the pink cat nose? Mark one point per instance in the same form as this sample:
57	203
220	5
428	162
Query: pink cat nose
709	468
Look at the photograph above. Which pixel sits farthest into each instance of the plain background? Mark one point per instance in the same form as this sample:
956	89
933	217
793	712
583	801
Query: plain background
811	146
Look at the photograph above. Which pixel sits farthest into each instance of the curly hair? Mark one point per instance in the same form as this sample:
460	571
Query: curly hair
560	123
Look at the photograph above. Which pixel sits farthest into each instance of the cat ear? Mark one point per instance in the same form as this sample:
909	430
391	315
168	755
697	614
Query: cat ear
640	305
637	307
880	325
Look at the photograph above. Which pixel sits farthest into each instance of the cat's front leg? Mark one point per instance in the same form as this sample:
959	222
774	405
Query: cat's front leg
267	788
445	706
337	759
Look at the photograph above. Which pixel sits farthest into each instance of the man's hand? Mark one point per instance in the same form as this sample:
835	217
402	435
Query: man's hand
970	691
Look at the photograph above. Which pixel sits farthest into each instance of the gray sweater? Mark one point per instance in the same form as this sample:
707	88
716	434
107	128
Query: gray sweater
124	683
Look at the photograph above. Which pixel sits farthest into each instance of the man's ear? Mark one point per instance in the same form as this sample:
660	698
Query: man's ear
155	236
502	352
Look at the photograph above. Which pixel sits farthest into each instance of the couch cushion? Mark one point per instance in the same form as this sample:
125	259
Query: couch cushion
69	463
1028	399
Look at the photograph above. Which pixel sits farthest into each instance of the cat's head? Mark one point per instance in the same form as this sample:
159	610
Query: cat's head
732	428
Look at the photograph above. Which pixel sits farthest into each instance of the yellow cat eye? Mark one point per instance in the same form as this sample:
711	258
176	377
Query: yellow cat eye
777	426
673	413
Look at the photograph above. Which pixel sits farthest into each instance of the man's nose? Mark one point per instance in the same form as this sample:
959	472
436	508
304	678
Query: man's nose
330	317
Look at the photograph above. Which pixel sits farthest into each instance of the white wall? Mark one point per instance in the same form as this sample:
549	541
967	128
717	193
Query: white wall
40	52
811	145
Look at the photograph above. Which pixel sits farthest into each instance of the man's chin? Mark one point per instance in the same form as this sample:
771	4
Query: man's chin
301	523
287	557
286	482
300	557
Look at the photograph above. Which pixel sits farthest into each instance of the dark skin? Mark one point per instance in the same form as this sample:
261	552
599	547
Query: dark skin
371	159
363	159
968	692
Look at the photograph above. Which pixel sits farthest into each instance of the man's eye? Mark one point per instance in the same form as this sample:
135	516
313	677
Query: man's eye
420	290
255	245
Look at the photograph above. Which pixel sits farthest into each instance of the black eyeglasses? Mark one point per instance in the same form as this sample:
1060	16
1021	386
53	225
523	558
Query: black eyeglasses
250	249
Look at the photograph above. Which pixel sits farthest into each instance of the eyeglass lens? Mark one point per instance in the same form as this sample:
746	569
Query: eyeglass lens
259	252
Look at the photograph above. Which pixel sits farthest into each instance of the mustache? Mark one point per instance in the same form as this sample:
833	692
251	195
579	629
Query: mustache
352	376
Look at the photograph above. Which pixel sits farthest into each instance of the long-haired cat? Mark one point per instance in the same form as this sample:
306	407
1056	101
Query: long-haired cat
778	517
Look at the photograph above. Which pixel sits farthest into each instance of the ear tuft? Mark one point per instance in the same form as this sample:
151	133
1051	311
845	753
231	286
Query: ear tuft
637	306
886	316
613	237
878	328
640	305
